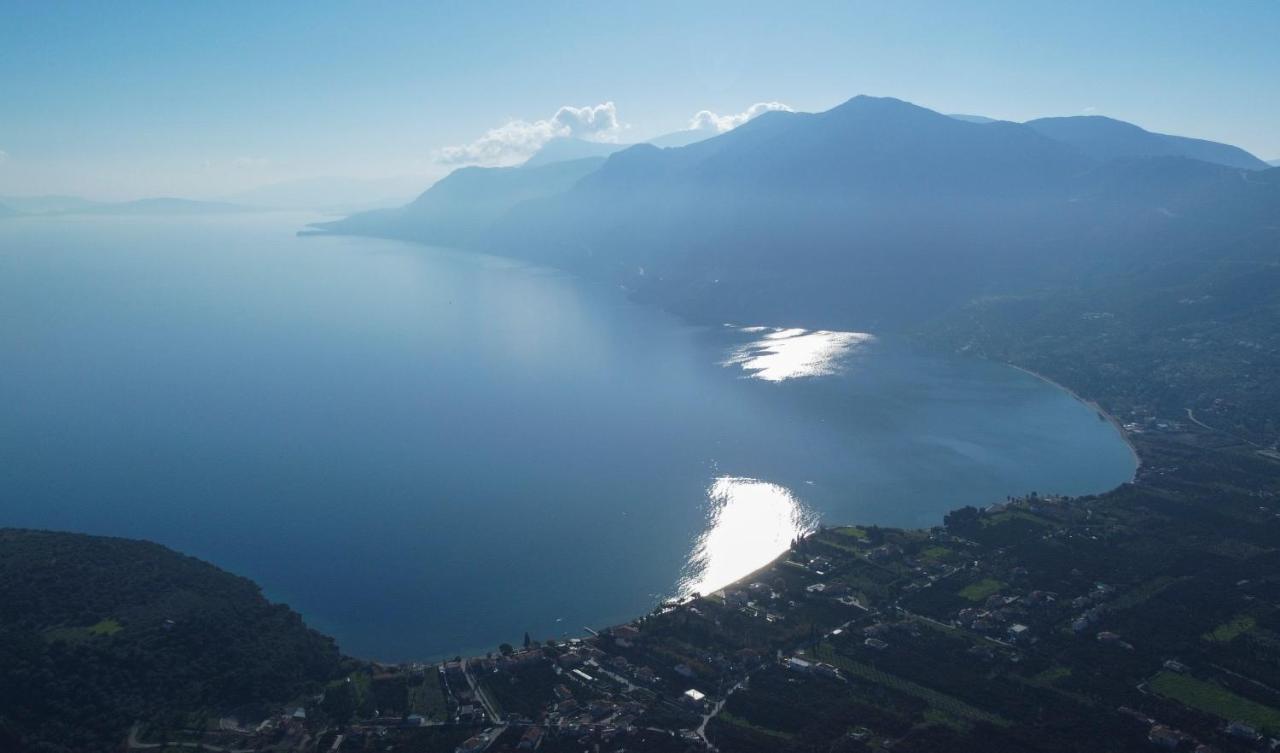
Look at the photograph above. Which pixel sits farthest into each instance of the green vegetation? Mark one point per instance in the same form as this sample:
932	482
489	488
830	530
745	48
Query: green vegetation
104	628
1009	516
427	698
981	590
1215	699
1229	631
948	705
937	553
1150	345
1052	675
107	627
728	718
98	633
1138	595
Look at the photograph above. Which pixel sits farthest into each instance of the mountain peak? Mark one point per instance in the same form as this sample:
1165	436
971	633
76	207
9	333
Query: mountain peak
866	103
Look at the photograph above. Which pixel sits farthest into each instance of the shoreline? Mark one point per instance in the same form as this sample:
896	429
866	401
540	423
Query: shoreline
753	575
1108	417
316	230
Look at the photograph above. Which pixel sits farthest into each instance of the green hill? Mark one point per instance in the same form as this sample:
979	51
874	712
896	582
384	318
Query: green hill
98	633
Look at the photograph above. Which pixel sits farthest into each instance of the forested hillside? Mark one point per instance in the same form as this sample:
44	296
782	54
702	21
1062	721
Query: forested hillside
1198	334
98	633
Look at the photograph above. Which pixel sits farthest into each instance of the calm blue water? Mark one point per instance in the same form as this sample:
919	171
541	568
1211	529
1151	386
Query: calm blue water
428	452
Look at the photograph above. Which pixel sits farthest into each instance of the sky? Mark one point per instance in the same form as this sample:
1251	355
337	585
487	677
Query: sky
132	99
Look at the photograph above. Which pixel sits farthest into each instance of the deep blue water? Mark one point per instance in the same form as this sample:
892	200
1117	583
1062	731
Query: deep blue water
428	452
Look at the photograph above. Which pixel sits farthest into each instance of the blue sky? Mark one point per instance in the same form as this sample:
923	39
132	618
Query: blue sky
119	100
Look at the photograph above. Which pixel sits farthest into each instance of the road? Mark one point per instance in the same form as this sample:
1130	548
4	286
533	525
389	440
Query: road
490	707
702	728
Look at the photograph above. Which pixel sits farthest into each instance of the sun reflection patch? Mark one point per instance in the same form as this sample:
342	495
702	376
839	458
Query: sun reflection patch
777	354
749	523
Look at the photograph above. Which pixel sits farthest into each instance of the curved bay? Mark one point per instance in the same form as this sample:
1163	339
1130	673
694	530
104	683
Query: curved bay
429	452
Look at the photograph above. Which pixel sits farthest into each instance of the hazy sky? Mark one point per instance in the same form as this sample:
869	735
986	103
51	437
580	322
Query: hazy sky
128	99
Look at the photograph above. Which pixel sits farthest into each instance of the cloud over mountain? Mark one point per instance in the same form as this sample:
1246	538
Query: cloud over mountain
705	120
516	140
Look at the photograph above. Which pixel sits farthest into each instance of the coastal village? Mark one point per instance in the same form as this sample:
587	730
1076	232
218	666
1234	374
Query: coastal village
999	630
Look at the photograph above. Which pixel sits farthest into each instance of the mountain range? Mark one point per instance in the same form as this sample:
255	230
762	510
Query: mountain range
877	212
463	206
566	148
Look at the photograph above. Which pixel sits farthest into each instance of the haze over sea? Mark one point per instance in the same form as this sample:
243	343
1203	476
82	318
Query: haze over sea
428	452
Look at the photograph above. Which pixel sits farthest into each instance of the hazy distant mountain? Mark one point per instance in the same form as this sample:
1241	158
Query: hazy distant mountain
566	148
1104	138
1274	162
867	144
682	138
332	194
48	204
57	205
463	205
797	215
972	118
874	212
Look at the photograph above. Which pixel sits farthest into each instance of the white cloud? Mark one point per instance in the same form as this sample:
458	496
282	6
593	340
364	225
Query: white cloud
1089	110
517	140
709	121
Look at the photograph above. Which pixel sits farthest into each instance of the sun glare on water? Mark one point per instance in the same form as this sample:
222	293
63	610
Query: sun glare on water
749	523
779	354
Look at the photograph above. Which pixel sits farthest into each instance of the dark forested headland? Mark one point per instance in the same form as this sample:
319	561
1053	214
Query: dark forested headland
99	633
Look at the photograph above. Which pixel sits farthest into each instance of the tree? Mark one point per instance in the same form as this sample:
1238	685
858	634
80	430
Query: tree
340	702
962	519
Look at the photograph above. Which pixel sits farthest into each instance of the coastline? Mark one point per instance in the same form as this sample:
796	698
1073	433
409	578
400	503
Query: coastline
1124	435
740	583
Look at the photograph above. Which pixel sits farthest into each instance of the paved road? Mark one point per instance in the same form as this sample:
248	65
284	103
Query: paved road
490	707
702	728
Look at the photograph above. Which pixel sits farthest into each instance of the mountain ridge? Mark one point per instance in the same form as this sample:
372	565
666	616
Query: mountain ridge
1107	138
877	212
